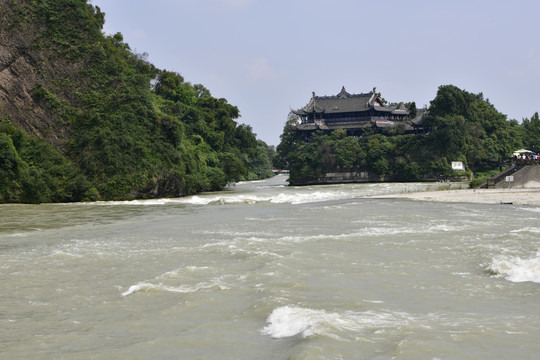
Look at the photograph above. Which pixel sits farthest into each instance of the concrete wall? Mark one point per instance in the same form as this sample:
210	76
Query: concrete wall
340	178
362	176
528	177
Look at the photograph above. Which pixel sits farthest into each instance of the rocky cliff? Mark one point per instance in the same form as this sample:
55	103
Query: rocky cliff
83	117
29	63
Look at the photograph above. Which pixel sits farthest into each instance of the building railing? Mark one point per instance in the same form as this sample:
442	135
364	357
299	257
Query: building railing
525	162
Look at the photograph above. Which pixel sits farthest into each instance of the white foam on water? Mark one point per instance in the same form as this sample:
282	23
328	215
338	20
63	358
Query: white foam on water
311	197
64	254
363	232
531	209
384	231
289	195
288	321
294	197
174	274
301	239
149	202
443	228
516	269
184	289
242	247
249	182
19	234
528	229
27	232
195	268
233	233
185	280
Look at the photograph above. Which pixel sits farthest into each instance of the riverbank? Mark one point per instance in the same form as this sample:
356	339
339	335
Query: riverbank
529	196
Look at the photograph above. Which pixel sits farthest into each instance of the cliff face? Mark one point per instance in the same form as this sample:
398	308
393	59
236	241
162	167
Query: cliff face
83	117
24	66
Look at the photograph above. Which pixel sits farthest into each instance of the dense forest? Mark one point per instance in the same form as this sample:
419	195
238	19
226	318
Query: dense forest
101	122
461	127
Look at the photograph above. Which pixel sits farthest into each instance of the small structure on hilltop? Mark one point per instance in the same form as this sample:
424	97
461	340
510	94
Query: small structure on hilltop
356	113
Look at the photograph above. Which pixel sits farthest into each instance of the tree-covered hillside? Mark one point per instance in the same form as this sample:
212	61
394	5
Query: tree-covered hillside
83	117
531	133
462	127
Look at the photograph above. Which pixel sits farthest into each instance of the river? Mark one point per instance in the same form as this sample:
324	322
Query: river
267	271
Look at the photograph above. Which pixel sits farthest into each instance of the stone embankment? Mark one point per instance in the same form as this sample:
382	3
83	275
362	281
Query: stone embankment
526	177
358	175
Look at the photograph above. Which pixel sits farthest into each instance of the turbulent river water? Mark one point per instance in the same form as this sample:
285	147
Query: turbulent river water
268	271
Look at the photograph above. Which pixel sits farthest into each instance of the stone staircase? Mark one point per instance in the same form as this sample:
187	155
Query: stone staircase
492	183
527	174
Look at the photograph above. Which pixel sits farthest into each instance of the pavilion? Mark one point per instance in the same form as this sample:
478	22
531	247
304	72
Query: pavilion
355	113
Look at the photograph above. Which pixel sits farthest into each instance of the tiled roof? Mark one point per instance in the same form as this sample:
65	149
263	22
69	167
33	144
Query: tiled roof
347	103
419	119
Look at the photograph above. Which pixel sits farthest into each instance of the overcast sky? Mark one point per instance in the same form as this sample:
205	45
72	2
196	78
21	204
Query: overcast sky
266	56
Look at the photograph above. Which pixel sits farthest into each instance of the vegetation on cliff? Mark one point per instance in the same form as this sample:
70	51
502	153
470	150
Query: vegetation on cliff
463	127
101	122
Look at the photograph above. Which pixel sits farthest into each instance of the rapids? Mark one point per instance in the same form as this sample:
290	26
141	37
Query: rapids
267	271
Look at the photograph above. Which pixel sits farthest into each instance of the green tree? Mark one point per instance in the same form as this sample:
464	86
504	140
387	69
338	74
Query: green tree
10	168
468	128
531	133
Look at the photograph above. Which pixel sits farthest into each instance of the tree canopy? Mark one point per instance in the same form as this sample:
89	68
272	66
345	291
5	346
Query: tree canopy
531	133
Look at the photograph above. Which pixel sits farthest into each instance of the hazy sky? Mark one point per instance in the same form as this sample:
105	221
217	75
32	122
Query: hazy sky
266	56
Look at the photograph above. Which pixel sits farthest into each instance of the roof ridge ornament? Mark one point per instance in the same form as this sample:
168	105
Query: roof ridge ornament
343	93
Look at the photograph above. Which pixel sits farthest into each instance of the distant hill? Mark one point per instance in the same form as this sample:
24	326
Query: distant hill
83	117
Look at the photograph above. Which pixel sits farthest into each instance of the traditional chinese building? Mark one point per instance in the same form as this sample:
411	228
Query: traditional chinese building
355	113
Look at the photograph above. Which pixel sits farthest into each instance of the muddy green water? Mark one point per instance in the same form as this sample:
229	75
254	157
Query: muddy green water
266	271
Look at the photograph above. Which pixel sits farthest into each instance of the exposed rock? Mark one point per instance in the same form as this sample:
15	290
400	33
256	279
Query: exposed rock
23	67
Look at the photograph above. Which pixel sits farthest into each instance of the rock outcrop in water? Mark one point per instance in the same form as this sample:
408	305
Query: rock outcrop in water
84	117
